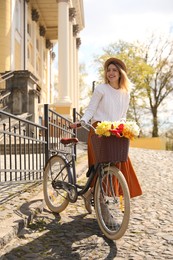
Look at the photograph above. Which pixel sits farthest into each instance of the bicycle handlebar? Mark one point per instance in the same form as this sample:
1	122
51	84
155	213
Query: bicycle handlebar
79	124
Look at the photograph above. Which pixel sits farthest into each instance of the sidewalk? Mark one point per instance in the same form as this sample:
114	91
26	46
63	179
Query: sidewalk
74	234
21	202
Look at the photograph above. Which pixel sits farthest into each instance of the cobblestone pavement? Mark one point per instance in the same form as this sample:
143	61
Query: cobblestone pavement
74	234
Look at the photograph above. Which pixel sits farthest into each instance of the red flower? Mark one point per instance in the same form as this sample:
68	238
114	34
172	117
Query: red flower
118	132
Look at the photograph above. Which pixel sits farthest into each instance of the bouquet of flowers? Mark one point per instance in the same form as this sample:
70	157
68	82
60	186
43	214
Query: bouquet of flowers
128	129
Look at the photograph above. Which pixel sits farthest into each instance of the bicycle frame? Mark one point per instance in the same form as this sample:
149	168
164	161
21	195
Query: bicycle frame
72	165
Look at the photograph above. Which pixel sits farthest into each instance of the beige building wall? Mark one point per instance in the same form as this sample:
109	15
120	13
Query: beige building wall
38	56
5	34
24	46
17	55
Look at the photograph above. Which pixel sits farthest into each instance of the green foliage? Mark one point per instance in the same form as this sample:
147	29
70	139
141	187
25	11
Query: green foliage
150	69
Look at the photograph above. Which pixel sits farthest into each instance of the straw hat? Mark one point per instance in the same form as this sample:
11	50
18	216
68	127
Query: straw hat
115	61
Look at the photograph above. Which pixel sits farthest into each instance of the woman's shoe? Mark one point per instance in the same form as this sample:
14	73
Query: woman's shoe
87	200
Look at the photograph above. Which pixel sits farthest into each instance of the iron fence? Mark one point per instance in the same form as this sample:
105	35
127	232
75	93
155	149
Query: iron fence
57	127
25	146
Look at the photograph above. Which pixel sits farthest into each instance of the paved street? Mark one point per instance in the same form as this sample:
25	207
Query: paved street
74	234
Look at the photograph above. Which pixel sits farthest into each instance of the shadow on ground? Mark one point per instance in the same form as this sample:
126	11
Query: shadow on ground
49	238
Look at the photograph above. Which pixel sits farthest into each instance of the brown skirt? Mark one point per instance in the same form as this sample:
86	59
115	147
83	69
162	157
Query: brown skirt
125	167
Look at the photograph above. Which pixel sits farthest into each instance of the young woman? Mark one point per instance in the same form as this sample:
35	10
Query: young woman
110	102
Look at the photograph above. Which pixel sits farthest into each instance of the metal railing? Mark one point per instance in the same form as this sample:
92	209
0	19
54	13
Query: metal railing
25	146
57	127
4	94
5	76
22	149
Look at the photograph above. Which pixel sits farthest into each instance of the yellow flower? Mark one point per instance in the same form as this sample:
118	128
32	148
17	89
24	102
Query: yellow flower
103	128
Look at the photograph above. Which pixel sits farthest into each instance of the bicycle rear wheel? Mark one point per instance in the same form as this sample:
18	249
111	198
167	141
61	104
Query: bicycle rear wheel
112	203
56	170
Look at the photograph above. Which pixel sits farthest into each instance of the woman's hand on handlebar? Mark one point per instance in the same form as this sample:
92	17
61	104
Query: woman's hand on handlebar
77	124
81	124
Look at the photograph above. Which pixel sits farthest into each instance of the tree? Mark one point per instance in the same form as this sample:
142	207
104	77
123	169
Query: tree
150	69
160	85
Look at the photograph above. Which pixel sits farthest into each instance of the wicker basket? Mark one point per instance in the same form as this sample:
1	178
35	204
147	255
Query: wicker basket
110	149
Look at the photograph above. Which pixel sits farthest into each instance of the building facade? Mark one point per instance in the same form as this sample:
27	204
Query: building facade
32	32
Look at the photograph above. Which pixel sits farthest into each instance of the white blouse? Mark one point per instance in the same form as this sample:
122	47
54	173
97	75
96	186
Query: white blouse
107	104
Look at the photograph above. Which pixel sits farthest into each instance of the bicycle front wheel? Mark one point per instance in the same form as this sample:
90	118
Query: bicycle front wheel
112	203
56	170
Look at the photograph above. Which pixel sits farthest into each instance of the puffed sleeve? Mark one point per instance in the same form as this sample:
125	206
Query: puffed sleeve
93	104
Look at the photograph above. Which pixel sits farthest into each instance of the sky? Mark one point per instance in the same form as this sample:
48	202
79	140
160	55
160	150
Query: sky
107	21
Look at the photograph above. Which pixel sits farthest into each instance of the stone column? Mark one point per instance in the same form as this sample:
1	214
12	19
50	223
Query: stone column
24	94
12	52
64	101
72	15
77	78
74	74
77	45
25	35
75	68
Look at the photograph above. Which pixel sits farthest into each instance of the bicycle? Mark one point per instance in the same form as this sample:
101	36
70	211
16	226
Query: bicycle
110	193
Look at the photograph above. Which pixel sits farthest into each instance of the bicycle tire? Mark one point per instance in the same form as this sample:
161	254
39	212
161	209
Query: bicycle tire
56	199
112	203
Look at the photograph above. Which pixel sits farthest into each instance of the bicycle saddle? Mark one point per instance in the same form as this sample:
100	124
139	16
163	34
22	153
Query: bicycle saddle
66	141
